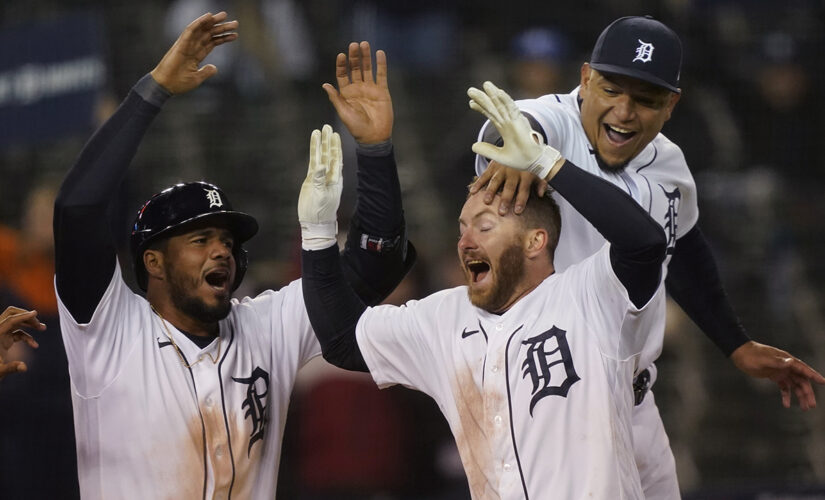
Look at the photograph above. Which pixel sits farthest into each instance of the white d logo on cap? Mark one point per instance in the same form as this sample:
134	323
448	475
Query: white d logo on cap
214	198
644	52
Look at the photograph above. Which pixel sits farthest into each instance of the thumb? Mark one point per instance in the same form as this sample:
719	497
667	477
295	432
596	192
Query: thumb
486	150
333	95
206	72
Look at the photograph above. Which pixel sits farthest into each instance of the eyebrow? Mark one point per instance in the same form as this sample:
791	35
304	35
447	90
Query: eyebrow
487	210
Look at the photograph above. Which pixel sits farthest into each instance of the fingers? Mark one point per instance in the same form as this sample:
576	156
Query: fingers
381	68
785	391
355	63
802	369
10	310
321	172
366	61
12	367
492	187
480	101
17	320
336	159
341	70
541	187
525	184
483	179
314	153
20	335
508	192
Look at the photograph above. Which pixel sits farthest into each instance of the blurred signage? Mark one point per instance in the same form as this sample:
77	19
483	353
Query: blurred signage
51	75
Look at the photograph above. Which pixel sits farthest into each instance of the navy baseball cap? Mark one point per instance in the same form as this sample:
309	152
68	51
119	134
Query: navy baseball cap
640	47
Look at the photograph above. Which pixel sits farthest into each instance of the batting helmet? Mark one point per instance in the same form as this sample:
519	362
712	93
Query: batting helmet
183	204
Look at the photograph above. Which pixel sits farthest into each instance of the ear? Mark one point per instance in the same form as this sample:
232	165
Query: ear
674	98
585	75
535	243
153	262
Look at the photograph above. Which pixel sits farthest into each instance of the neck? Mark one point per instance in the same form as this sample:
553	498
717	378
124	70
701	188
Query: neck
533	277
181	320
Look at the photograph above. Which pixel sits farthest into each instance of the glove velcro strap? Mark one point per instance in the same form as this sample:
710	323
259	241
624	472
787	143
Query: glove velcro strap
318	236
542	165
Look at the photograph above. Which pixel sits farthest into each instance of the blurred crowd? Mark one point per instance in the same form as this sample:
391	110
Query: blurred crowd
750	123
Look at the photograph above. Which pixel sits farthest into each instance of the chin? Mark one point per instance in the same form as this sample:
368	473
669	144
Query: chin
613	167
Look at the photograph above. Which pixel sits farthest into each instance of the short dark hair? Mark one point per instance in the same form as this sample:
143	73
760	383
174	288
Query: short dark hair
542	212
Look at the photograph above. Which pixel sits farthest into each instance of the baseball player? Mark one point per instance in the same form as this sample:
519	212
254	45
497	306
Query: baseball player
610	126
183	394
11	322
529	366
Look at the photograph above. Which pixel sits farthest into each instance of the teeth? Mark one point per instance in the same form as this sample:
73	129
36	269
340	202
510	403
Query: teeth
619	129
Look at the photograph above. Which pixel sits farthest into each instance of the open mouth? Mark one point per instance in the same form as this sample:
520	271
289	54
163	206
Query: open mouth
618	135
478	269
219	278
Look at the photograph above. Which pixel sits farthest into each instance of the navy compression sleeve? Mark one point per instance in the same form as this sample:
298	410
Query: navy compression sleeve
637	242
693	281
333	307
84	245
377	254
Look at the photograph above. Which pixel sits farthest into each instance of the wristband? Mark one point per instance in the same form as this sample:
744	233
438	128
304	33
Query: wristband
318	236
543	165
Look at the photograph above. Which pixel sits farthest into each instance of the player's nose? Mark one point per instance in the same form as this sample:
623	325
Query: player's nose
624	108
466	241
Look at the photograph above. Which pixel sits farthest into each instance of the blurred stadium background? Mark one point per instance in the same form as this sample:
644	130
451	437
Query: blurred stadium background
750	122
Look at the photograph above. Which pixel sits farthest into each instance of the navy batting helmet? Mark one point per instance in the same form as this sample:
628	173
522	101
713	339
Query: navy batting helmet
182	204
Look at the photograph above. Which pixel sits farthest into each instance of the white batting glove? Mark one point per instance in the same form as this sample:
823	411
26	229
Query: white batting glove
520	150
321	191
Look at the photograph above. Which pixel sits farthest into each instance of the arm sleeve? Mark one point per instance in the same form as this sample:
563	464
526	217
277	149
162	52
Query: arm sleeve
333	307
637	242
375	259
84	246
694	283
377	254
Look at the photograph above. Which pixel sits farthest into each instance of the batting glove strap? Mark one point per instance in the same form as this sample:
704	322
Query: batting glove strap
318	236
542	165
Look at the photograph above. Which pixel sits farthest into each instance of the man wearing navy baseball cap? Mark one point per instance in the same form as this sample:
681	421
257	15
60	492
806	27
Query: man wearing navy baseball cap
640	47
610	126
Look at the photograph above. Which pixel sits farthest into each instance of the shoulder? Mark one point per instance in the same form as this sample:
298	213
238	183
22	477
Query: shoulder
666	161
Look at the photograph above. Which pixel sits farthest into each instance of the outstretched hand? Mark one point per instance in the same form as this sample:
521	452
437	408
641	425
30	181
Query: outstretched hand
12	319
523	148
179	71
362	101
788	372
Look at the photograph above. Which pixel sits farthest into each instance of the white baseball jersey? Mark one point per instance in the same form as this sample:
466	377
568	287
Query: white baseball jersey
538	398
658	178
149	427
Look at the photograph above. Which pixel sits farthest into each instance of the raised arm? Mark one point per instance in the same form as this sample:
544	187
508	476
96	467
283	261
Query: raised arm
637	242
332	304
84	247
377	255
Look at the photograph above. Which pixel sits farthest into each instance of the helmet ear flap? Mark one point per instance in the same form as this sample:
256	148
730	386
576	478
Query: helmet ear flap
241	264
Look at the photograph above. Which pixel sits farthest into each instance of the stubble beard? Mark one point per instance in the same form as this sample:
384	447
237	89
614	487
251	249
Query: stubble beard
508	275
611	169
194	306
